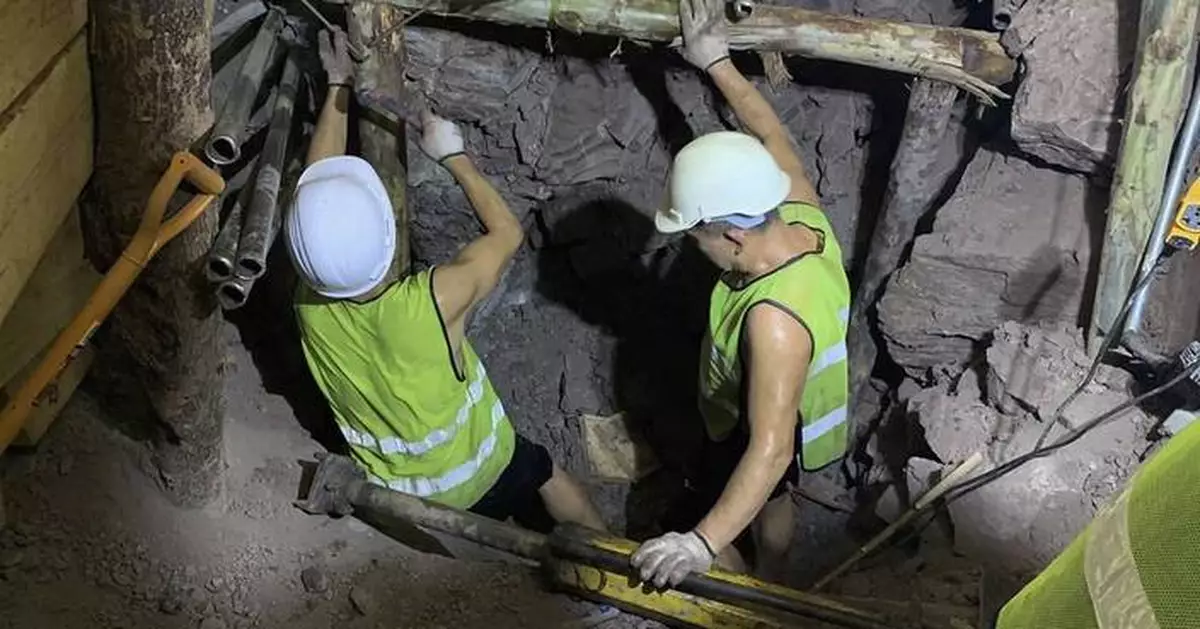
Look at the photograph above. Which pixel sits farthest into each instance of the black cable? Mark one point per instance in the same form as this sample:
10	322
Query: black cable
973	484
1110	338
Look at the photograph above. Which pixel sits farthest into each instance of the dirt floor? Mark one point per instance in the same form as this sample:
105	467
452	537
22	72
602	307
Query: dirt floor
91	542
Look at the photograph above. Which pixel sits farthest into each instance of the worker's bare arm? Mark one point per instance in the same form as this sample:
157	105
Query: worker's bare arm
329	138
467	279
778	350
761	120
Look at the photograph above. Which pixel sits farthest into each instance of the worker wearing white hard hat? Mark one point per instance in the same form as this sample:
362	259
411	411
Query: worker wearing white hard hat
390	352
773	384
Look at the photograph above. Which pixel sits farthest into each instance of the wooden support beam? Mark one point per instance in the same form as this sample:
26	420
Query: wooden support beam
912	186
32	32
972	60
163	351
383	141
1157	99
45	159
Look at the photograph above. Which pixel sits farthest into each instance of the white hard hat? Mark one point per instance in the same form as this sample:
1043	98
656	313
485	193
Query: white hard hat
341	232
724	175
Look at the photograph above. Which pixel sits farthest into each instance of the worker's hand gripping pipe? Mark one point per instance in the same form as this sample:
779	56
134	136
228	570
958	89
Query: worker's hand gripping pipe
152	234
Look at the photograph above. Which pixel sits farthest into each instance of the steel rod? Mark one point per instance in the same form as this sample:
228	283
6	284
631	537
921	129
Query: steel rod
262	215
229	132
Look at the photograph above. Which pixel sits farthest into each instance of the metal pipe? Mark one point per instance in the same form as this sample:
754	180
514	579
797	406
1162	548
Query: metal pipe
223	254
230	130
262	215
224	249
234	292
1180	165
390	504
720	586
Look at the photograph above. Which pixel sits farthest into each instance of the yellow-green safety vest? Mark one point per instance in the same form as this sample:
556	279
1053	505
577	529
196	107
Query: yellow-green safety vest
812	288
412	422
1137	564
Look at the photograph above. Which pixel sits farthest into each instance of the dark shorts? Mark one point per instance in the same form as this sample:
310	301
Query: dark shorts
708	481
515	494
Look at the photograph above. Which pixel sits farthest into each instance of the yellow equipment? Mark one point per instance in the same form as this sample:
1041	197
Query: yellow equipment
1185	229
589	563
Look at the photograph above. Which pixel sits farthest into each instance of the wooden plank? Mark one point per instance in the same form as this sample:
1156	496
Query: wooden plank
58	288
45	158
53	400
32	32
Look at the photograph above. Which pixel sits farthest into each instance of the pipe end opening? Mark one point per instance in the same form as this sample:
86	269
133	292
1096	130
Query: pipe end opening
222	150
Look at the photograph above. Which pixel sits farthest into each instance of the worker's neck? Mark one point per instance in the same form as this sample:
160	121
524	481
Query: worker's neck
766	250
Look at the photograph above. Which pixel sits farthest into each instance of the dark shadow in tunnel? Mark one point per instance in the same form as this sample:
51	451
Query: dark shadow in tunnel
270	334
603	261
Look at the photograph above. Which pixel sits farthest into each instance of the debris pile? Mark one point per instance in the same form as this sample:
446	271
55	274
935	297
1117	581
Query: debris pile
1000	409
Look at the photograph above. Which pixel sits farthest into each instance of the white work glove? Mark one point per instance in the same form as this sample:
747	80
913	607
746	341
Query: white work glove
705	33
668	559
440	138
334	50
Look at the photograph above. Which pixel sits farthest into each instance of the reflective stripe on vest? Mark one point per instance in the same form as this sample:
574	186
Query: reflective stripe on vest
1111	571
426	486
413	421
396	445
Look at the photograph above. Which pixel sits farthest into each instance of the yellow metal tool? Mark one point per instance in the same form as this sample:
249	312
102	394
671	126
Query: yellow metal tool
1185	229
588	563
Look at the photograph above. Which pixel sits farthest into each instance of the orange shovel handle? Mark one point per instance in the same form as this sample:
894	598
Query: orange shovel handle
151	235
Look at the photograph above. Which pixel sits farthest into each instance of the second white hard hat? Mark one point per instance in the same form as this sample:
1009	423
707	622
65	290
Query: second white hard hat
723	175
340	230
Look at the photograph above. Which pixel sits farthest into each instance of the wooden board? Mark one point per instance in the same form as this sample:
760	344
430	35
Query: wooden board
45	158
52	401
58	288
32	32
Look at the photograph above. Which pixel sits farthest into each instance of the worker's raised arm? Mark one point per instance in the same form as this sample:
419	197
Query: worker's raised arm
329	138
706	46
463	282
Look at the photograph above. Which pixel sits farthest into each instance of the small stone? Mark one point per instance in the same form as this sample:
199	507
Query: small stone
213	622
11	559
215	584
314	579
171	602
1178	420
362	600
65	464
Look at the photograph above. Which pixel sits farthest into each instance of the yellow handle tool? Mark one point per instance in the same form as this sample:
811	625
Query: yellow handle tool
1185	229
152	234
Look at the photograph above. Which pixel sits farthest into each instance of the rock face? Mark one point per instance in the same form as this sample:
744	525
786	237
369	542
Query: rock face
1067	108
1013	243
1025	518
1036	368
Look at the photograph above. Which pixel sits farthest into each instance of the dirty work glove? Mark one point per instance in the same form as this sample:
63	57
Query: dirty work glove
334	51
667	560
705	34
440	138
